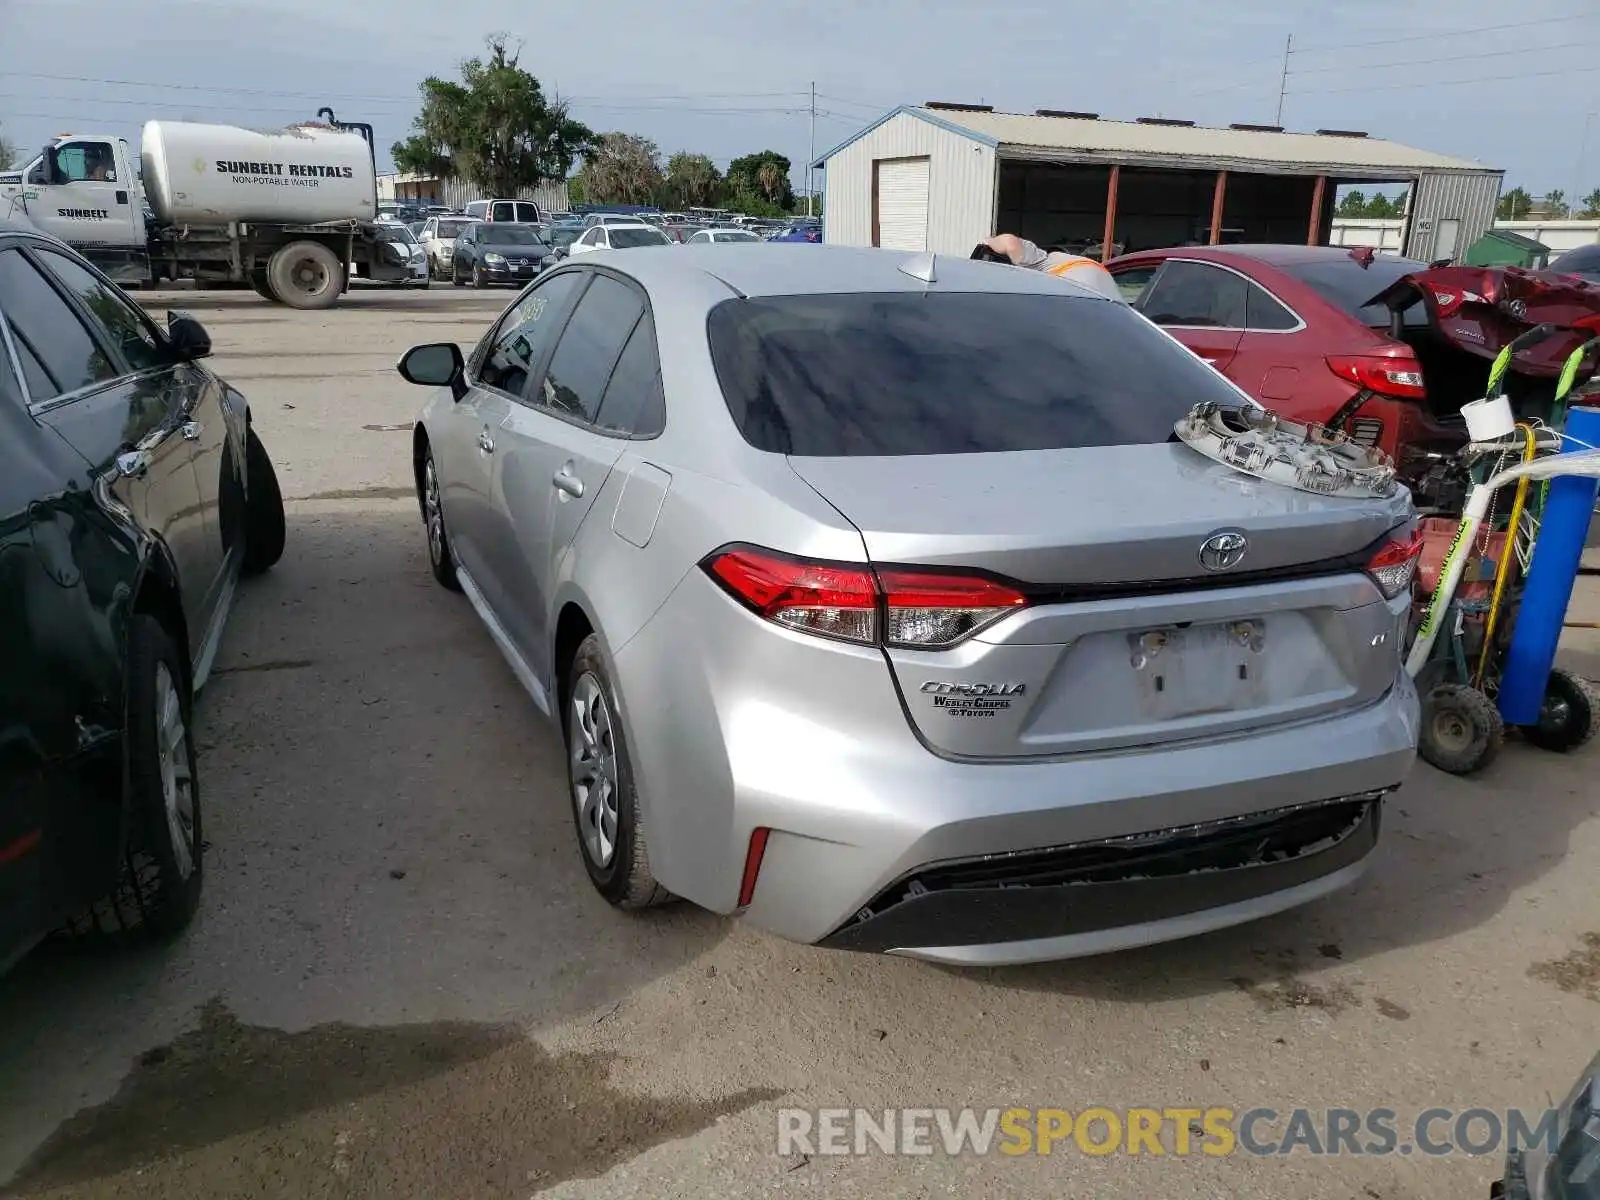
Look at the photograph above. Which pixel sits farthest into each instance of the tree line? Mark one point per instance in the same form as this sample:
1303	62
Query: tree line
496	129
1516	204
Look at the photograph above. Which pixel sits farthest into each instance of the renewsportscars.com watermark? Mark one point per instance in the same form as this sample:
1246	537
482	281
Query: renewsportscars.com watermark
1214	1132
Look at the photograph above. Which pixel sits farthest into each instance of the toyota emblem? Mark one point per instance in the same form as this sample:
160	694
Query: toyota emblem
1223	550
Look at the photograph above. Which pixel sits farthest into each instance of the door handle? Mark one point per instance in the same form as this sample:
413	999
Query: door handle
485	442
192	431
567	482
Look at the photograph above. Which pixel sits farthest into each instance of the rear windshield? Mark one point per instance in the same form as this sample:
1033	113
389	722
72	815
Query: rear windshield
623	239
450	229
1584	258
960	373
1347	285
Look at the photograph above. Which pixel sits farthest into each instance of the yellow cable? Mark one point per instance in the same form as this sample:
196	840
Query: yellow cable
1502	571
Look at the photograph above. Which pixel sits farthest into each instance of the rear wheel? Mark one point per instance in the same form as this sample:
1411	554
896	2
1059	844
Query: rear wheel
158	889
1566	717
605	803
1461	729
306	275
264	530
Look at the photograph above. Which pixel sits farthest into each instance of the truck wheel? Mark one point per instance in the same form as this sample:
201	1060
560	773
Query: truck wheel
306	275
263	510
258	281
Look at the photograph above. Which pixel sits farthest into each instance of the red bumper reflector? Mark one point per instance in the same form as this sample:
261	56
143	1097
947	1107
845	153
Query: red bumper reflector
752	865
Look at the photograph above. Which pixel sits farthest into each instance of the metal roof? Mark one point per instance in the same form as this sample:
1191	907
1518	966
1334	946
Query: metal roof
1080	139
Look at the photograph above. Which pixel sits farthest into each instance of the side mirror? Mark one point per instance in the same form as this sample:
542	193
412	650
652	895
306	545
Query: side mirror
437	364
52	165
188	337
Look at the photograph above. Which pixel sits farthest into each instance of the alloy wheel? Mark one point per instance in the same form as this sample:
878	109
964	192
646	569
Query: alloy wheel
177	781
594	770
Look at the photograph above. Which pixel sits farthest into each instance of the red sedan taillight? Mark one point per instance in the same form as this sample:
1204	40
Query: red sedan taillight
1388	376
895	606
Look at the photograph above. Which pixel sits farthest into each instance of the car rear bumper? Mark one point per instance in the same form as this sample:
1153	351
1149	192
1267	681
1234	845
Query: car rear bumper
736	725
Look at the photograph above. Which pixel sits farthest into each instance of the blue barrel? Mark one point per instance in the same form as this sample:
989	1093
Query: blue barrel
1563	529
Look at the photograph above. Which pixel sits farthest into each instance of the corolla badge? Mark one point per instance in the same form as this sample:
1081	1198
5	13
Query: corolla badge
1223	550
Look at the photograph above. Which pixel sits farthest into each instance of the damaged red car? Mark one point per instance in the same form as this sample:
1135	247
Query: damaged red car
1386	349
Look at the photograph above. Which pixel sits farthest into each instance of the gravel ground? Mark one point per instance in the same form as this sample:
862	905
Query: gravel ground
400	983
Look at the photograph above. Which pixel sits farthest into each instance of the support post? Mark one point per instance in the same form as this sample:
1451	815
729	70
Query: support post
1563	528
1219	196
1318	197
1111	213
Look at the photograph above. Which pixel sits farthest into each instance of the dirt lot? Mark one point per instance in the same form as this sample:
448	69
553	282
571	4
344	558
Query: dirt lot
401	984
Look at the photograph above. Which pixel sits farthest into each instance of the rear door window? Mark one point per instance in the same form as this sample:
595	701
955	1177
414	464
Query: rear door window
526	213
955	373
503	210
589	348
122	323
59	354
1197	295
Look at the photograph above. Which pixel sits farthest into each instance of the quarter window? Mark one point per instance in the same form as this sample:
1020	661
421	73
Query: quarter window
633	404
1263	312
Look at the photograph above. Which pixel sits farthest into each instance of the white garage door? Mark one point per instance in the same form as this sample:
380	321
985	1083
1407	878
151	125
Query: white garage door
903	204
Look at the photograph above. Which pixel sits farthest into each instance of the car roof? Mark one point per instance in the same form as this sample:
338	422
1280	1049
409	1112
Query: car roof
1272	253
791	269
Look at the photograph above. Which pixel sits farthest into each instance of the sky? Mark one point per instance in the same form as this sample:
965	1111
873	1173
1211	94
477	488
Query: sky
1510	85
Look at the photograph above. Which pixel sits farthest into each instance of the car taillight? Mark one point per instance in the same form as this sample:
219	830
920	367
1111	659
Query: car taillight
915	609
1401	377
1395	565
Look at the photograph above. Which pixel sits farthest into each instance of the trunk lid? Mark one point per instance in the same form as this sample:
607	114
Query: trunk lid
1128	638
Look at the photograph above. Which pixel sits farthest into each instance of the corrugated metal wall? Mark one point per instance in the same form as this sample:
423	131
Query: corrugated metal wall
1468	200
961	185
550	197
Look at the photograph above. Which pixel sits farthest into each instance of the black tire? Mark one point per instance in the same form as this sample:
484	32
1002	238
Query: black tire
262	288
1566	717
477	276
306	275
441	560
158	889
1461	729
264	527
455	274
623	877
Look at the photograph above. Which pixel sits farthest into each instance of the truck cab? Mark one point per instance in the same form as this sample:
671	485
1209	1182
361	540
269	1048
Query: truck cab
84	189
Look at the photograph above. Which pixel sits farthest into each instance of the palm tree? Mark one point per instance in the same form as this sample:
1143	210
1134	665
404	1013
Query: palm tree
769	179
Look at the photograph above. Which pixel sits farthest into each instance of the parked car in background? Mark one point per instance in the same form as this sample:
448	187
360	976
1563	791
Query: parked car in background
496	252
613	218
824	572
680	231
1583	261
133	494
799	233
402	246
619	236
438	238
712	236
561	238
519	212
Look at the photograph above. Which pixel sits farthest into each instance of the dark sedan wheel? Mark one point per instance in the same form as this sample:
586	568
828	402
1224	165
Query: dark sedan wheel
455	274
478	280
158	891
441	560
605	803
263	514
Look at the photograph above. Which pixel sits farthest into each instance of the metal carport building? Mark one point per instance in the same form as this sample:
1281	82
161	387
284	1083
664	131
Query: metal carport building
942	177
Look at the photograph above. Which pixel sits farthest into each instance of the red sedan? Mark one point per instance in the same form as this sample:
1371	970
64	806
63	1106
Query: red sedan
1293	327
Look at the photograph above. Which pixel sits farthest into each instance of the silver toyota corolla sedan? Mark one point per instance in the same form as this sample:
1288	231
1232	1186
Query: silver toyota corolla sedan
878	604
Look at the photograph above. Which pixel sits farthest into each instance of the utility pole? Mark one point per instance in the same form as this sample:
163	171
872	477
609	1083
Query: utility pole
1283	80
811	148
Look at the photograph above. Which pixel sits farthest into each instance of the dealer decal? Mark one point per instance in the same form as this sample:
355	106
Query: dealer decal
972	699
84	214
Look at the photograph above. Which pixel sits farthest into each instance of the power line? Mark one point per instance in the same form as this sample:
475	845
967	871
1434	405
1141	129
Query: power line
1436	83
1419	37
1423	62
